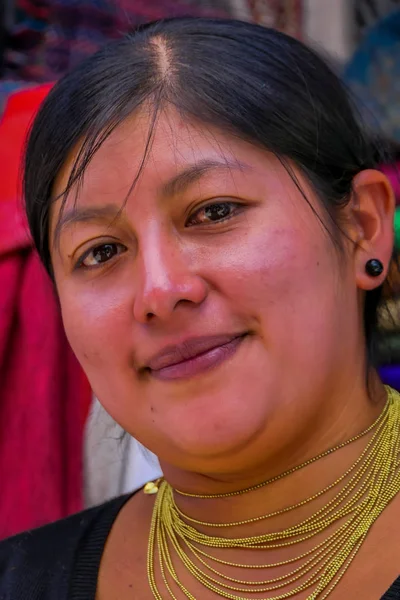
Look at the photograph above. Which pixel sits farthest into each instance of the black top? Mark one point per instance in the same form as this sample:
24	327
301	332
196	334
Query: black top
61	561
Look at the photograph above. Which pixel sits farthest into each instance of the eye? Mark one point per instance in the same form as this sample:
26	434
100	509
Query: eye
100	254
214	213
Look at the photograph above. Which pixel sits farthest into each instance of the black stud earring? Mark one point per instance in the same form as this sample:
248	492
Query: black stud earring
374	267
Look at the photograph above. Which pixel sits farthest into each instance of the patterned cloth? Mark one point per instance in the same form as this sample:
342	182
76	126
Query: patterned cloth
373	74
368	12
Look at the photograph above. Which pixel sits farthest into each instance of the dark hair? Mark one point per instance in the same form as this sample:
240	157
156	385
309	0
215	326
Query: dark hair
251	81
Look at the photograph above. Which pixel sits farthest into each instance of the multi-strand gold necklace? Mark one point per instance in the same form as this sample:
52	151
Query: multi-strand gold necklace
365	489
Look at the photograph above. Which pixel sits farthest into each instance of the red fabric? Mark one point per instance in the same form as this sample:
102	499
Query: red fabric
44	396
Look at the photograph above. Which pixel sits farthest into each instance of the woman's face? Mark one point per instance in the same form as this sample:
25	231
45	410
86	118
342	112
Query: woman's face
210	311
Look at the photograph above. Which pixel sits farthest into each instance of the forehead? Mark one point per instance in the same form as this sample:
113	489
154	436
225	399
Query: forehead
157	151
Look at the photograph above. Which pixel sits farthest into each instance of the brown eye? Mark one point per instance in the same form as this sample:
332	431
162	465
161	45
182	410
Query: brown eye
100	254
214	213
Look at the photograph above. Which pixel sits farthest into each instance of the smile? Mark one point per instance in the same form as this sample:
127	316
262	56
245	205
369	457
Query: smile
192	362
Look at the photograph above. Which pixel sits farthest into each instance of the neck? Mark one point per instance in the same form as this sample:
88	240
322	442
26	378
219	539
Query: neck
291	489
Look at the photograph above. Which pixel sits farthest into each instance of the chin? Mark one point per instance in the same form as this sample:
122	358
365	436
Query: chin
205	439
210	423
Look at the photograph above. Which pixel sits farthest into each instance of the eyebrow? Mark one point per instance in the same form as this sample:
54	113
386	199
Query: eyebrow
194	172
77	214
172	187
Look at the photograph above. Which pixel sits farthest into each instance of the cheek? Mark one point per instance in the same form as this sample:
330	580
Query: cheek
288	286
97	324
274	269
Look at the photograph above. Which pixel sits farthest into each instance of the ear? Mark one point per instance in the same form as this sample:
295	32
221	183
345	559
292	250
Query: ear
372	209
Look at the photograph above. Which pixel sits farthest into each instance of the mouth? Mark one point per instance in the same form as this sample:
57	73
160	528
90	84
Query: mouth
193	357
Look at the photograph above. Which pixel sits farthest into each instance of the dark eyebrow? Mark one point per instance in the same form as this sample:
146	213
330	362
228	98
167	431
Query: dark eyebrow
77	214
193	173
173	186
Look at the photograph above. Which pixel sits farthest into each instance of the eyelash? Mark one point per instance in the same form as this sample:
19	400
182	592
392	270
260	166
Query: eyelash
189	223
223	204
94	249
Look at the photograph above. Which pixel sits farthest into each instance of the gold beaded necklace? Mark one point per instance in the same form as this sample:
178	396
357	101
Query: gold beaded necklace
366	489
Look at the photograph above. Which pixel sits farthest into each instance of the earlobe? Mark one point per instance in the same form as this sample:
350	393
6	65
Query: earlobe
372	211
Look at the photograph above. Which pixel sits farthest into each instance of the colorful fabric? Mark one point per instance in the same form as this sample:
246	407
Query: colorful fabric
397	229
26	40
374	76
44	396
283	15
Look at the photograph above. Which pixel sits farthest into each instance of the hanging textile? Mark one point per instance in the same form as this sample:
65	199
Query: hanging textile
44	396
367	13
373	73
284	15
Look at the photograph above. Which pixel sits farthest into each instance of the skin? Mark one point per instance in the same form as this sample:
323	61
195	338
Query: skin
296	384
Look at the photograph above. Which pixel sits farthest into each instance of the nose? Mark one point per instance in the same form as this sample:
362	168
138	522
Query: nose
166	283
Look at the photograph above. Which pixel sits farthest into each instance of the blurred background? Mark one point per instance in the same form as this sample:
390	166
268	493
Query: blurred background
59	451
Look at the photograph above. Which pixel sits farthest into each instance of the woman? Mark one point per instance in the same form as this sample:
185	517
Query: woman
208	207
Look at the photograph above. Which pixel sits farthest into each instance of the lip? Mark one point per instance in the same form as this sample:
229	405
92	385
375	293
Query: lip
193	356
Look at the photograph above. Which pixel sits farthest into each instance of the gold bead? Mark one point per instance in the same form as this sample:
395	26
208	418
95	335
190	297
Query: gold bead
150	488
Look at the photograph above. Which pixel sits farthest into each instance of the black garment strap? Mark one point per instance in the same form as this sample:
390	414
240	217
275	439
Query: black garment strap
59	561
86	568
393	592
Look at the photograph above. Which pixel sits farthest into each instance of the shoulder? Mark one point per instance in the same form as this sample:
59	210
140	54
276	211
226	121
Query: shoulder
39	564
